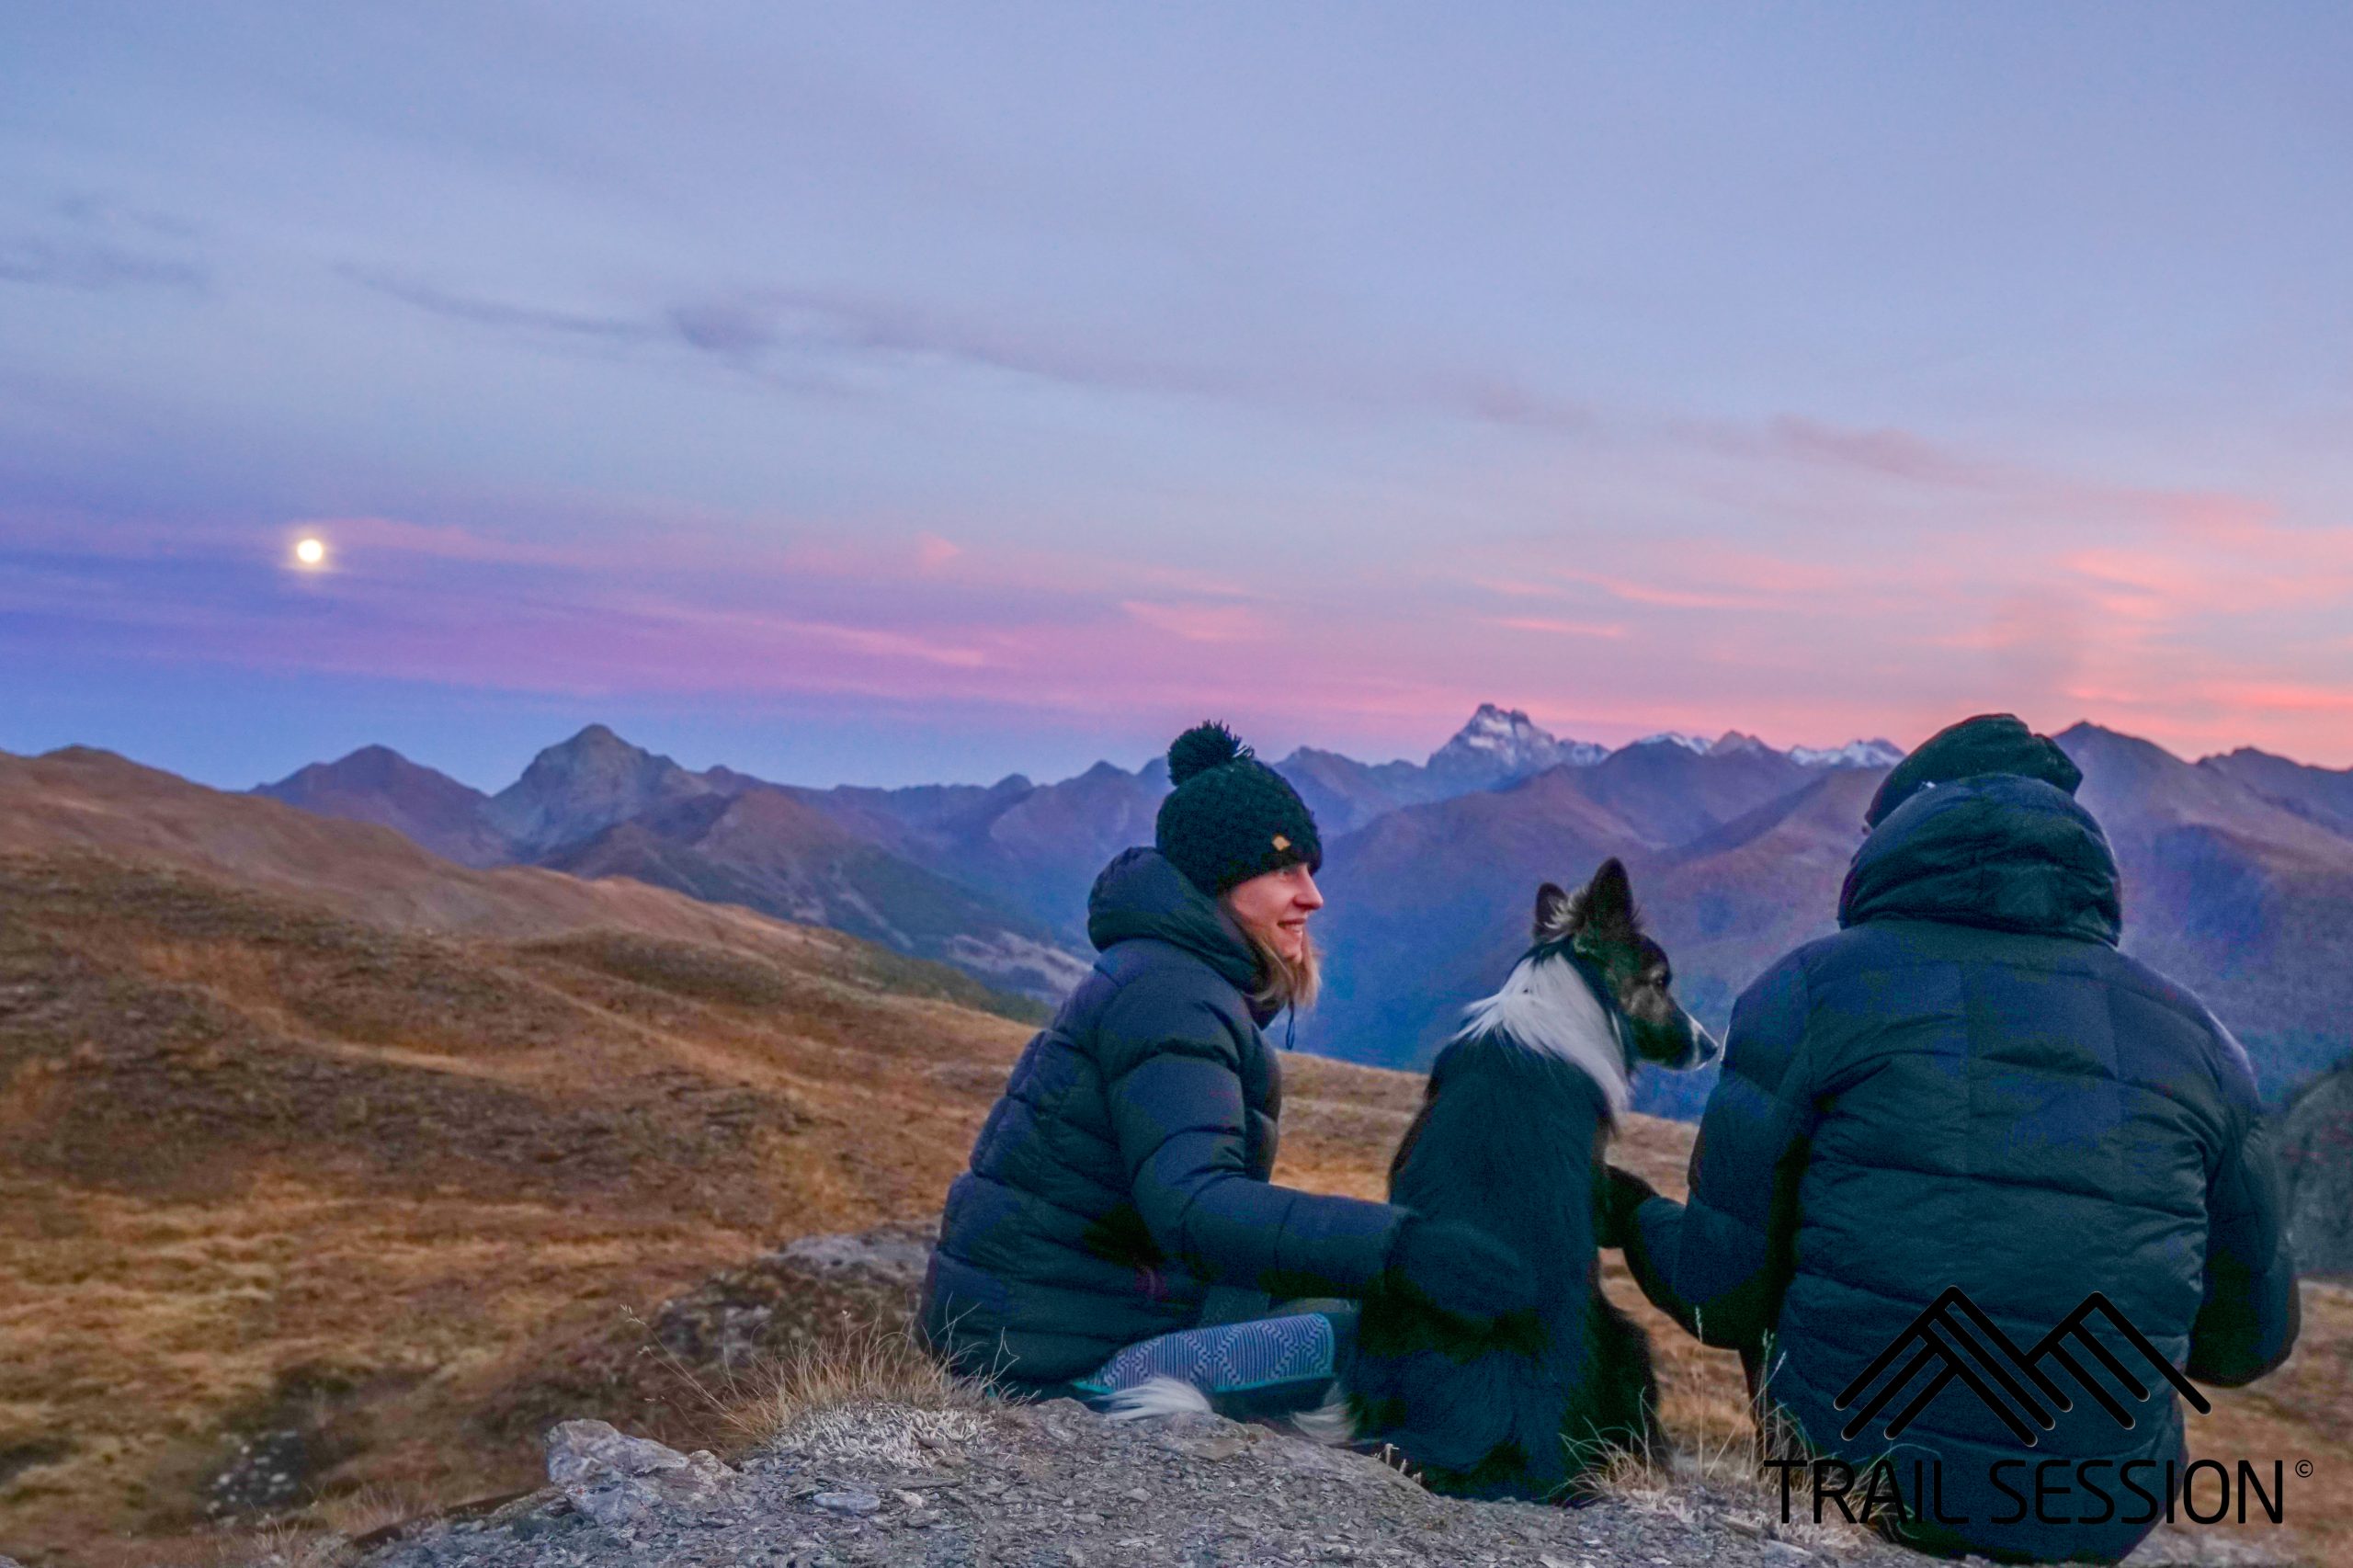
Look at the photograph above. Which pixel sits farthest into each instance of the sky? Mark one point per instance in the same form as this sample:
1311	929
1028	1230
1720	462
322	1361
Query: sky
878	393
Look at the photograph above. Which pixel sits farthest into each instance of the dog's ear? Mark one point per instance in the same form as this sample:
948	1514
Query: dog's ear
1609	900
1556	911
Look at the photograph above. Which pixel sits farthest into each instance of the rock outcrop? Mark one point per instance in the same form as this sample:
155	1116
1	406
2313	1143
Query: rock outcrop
2316	1142
893	1484
615	1480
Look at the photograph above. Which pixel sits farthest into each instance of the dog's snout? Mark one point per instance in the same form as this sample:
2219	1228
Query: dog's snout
1705	1046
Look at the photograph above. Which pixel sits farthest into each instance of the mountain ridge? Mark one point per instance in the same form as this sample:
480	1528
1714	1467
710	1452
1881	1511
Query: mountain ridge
767	851
376	784
2233	864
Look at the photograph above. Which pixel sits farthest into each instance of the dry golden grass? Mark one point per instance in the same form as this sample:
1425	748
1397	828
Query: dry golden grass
871	1363
1721	1476
264	1168
330	1534
281	1545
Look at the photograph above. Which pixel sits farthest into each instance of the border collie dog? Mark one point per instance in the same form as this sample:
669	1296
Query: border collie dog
1510	1139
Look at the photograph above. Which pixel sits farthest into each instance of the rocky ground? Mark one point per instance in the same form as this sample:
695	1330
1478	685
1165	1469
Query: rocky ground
1056	1486
951	1479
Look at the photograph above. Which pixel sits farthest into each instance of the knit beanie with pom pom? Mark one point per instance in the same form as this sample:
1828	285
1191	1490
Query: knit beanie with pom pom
1228	817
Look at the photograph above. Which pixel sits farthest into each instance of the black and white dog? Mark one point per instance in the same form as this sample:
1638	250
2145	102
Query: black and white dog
1510	1139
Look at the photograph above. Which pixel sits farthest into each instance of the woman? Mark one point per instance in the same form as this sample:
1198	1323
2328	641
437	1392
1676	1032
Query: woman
1117	1220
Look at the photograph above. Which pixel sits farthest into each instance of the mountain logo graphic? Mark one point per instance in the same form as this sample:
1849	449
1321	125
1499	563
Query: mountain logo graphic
1964	1344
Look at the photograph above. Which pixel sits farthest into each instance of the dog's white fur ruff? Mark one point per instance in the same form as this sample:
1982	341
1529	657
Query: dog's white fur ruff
1546	1005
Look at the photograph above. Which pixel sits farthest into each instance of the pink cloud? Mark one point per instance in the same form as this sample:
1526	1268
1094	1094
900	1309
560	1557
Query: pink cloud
1898	453
2282	697
1559	628
1877	452
1639	593
1643	569
1200	622
704	623
1516	588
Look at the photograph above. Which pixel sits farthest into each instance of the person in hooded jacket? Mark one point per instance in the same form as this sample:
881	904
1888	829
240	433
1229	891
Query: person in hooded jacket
1117	1220
1969	1087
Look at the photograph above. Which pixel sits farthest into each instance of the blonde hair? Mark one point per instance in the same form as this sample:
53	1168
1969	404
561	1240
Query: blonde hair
1284	982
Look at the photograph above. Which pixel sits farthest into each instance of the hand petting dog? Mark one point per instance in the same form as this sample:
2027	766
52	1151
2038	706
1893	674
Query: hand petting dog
1615	1200
1461	1270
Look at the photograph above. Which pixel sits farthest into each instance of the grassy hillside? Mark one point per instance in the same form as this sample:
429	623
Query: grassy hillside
267	1169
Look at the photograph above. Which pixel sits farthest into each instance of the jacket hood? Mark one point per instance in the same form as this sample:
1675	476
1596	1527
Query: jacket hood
1142	893
2001	851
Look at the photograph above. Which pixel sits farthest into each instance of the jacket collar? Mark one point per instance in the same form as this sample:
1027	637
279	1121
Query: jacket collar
1140	893
1999	851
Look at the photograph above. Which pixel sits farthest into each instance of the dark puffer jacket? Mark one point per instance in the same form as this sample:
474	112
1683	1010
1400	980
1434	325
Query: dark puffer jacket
1970	1087
1124	1171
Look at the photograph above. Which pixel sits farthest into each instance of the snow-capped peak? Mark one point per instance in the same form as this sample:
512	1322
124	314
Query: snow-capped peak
1505	743
1502	730
1675	738
1499	742
1853	754
1733	741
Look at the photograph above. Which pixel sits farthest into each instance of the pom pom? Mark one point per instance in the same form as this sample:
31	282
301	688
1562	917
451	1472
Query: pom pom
1201	748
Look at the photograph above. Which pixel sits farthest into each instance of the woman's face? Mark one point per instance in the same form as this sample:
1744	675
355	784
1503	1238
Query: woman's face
1274	908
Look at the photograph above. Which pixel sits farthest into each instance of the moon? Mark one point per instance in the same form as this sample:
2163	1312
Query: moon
310	552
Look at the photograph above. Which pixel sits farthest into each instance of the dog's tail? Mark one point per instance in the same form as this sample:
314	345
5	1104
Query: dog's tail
1330	1424
1160	1397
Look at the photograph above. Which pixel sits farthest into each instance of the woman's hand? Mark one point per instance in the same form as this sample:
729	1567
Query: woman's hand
1461	1270
1615	1198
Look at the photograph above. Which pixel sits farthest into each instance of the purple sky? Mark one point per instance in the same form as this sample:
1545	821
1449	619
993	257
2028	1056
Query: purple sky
858	392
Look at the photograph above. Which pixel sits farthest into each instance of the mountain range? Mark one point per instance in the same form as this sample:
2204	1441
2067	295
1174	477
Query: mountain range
2238	869
1020	855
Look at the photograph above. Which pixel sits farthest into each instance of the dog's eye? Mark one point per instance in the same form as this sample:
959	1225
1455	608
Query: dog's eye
1660	977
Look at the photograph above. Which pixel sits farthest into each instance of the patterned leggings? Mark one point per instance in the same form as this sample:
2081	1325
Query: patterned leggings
1262	1365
